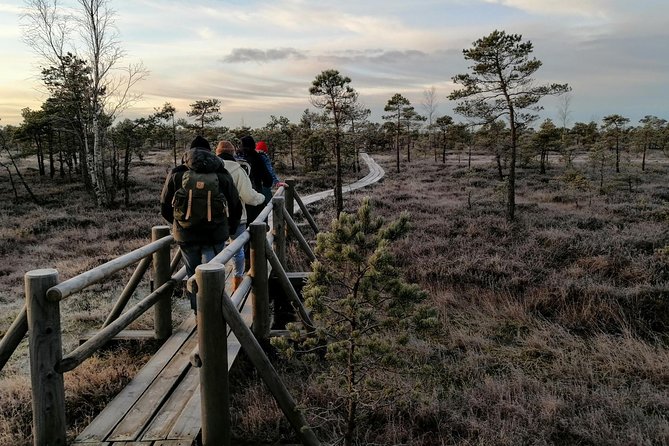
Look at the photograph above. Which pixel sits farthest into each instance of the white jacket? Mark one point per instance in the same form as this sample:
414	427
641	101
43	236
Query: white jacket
247	194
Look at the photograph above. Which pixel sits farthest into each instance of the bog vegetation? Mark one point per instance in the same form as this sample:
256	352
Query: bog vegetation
548	321
552	329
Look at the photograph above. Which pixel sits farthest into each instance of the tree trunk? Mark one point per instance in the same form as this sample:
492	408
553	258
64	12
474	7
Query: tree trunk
443	148
97	166
397	142
61	161
339	199
126	170
643	158
52	165
408	146
292	157
40	156
511	196
542	162
23	181
11	180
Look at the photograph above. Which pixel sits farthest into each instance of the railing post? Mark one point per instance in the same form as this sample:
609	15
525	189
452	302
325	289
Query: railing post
279	228
46	350
290	197
212	339
162	313
260	289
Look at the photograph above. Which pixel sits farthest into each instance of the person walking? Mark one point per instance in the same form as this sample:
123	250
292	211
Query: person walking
263	151
200	201
248	196
260	176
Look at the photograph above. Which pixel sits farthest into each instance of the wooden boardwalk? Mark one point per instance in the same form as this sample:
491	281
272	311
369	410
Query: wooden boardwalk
161	405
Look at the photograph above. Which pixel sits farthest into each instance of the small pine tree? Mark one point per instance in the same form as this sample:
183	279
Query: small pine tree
364	314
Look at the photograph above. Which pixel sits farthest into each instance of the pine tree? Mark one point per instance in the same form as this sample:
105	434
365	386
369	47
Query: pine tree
364	313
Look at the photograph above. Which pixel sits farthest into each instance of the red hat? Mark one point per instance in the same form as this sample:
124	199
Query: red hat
261	147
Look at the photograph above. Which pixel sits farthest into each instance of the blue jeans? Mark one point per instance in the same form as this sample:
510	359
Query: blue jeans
196	254
238	258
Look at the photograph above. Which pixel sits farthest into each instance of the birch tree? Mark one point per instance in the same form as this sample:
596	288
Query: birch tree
430	105
87	29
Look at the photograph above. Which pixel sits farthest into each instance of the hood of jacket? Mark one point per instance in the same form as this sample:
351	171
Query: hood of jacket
202	160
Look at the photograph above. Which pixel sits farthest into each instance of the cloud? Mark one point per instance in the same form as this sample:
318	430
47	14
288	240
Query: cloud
374	56
592	8
241	55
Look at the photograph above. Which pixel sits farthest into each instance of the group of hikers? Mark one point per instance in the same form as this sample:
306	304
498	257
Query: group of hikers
210	198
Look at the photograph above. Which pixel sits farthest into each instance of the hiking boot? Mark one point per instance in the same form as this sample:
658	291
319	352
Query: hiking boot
236	281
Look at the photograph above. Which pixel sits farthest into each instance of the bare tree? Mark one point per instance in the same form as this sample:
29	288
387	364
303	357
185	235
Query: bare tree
564	109
47	30
430	105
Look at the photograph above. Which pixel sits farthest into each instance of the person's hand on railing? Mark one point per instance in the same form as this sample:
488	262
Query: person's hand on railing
280	184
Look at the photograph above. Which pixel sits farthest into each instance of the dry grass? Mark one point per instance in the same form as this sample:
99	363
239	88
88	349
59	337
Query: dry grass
87	390
555	328
69	233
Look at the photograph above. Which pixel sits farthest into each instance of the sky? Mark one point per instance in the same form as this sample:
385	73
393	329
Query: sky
260	57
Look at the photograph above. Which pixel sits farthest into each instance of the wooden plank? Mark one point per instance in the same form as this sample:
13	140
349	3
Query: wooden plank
162	423
188	424
125	335
174	443
94	443
107	420
132	443
142	411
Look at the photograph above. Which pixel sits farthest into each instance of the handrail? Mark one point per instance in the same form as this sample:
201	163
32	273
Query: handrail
306	213
46	293
129	289
13	336
78	283
298	235
85	350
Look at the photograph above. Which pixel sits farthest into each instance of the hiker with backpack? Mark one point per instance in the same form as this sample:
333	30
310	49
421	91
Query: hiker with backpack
201	202
248	196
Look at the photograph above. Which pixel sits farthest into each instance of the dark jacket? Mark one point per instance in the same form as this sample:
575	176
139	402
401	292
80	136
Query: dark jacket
203	161
260	176
261	180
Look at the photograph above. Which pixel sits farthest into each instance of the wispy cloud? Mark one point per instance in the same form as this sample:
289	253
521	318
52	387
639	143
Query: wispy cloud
592	8
240	55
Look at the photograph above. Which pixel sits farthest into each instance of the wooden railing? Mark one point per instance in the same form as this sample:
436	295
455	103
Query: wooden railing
41	319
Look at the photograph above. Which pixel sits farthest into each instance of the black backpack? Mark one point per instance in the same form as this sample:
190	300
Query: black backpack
199	200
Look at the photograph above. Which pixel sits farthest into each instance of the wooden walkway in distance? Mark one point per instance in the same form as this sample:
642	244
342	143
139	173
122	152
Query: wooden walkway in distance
161	405
376	172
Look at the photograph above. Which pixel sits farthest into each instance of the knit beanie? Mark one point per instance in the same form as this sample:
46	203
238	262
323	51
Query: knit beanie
248	143
261	147
201	143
